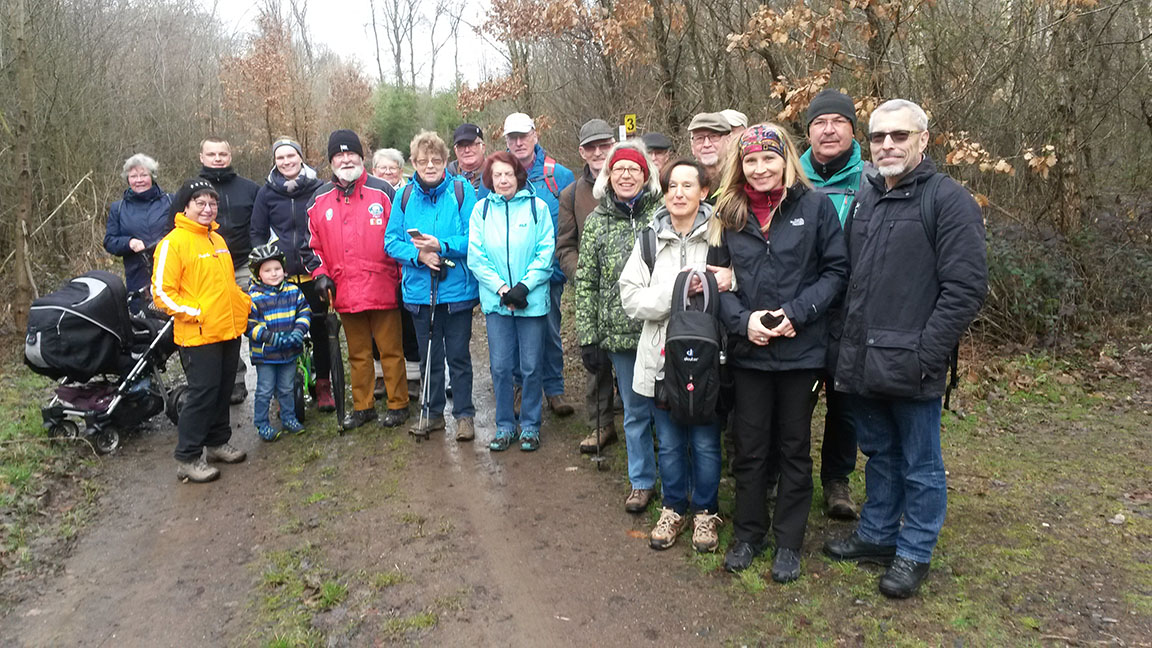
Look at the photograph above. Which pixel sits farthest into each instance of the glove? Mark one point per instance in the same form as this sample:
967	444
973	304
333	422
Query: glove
297	337
280	340
516	297
593	357
325	287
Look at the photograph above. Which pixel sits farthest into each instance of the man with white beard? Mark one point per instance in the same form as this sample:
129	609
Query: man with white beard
346	221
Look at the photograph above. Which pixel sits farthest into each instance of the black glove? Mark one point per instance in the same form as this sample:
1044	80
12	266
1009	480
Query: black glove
771	321
593	357
516	297
325	288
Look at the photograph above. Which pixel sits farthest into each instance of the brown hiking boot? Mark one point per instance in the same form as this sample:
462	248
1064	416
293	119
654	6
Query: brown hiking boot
226	452
838	500
560	406
669	527
607	438
431	424
197	471
465	429
638	500
705	537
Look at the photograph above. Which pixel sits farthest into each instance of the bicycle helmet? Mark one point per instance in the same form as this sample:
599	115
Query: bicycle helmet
263	253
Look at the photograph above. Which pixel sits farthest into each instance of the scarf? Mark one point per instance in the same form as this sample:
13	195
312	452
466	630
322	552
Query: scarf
763	204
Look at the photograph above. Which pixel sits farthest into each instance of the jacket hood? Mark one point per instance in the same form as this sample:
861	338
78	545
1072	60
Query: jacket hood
260	286
924	170
150	194
527	192
436	191
217	175
185	223
855	165
662	221
645	204
305	182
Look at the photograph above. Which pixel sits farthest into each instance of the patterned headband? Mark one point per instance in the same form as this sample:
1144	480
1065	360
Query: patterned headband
761	138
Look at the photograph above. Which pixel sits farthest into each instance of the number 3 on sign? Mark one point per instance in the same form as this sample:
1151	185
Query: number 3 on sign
630	123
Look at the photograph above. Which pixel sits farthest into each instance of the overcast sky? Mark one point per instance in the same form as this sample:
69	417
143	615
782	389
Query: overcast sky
344	26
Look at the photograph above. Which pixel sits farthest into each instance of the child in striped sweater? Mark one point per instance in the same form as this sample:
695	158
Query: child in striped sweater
277	323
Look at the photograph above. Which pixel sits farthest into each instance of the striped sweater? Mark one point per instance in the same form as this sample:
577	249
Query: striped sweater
276	309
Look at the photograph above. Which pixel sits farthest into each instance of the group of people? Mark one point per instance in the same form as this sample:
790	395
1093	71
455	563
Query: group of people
830	271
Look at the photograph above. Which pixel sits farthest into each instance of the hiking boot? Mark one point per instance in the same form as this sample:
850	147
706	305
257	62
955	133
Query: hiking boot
786	565
560	406
517	396
854	548
324	400
607	437
292	425
705	537
225	452
356	418
394	417
465	429
197	471
638	500
502	440
838	500
670	525
267	432
379	390
239	393
740	556
433	424
903	578
529	441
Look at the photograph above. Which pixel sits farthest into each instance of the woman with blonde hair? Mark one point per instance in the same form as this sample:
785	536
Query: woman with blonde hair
786	246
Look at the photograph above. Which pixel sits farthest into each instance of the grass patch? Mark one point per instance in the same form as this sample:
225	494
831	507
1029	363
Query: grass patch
396	628
384	580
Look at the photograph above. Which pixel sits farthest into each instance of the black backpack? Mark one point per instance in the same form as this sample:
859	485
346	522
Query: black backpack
692	350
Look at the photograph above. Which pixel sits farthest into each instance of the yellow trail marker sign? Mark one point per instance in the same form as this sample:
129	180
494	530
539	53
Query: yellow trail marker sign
630	123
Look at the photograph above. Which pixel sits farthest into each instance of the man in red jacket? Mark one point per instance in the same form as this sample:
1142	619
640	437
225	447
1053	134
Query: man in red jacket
346	221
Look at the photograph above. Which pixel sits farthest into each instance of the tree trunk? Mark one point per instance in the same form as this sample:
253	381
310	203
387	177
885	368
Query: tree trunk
25	91
376	40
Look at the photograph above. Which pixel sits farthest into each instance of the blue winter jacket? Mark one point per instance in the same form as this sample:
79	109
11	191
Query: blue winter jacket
276	309
563	177
138	215
281	212
509	242
437	213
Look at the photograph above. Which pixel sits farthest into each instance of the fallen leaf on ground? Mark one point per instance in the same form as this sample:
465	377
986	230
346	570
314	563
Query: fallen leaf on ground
637	533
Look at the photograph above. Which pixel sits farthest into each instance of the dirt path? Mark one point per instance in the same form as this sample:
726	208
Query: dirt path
437	542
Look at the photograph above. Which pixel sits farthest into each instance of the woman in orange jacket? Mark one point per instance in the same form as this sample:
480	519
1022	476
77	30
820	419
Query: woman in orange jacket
193	281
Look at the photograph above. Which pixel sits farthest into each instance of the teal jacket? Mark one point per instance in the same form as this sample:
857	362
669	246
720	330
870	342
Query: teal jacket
841	187
512	241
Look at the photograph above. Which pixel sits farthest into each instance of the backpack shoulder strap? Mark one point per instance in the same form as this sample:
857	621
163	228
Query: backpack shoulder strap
648	247
458	185
484	211
404	197
928	207
550	176
534	211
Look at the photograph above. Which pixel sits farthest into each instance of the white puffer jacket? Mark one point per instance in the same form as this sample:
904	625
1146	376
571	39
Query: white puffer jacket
647	295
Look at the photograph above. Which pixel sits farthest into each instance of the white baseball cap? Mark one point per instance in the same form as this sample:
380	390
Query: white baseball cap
518	123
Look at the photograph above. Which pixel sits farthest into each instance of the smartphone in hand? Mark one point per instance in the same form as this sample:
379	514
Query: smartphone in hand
771	321
413	232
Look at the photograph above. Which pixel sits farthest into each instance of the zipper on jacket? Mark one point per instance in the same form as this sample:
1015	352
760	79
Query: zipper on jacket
507	243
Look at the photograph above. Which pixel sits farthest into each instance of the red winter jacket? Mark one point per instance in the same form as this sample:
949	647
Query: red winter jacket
346	242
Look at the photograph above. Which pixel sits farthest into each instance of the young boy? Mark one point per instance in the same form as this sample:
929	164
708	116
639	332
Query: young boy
277	323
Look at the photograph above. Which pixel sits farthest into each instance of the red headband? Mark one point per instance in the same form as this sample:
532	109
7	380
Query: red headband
631	155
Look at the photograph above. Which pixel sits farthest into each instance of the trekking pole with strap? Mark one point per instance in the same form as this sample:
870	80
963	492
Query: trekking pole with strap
420	432
337	367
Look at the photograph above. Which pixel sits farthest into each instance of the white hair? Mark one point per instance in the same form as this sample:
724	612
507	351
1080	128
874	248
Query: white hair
652	185
387	154
919	117
140	160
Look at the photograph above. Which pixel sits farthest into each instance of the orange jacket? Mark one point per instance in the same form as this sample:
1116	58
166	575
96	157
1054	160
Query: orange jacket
194	282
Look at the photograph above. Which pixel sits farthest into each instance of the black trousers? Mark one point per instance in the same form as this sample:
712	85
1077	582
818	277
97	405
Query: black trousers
838	454
210	370
318	330
773	407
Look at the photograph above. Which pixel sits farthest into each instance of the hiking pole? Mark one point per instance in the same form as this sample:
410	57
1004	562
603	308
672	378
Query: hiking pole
337	367
421	430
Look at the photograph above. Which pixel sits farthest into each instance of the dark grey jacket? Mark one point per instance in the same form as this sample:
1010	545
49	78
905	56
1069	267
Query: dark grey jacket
909	300
801	268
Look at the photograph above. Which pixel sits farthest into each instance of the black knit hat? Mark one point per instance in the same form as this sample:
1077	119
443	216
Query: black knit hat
831	102
192	188
344	140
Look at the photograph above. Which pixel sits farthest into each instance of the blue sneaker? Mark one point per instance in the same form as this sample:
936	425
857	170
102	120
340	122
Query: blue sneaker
530	440
502	440
292	425
268	433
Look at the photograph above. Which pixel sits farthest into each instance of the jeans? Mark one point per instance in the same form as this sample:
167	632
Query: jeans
451	337
210	370
274	379
553	374
689	464
904	473
516	341
637	423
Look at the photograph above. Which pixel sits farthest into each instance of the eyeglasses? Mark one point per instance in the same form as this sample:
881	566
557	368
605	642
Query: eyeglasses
620	170
204	204
429	162
821	124
898	136
700	138
597	146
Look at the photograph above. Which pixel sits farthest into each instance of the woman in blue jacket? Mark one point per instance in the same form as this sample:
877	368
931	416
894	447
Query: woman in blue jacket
510	250
138	221
429	223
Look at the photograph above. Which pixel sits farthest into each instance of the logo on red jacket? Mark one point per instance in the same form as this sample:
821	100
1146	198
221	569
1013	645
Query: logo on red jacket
328	214
376	209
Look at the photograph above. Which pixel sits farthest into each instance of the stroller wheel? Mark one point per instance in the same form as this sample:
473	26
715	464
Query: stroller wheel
298	396
64	430
175	403
105	440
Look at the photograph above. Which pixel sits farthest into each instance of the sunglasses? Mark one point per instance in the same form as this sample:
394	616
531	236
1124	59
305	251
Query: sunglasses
898	136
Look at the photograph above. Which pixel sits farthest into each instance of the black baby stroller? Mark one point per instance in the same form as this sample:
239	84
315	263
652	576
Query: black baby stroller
108	360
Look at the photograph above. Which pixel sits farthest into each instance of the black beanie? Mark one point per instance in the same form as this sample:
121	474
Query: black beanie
344	140
832	102
191	188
